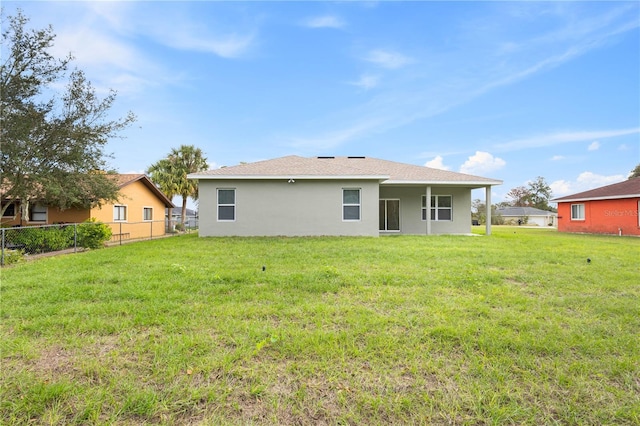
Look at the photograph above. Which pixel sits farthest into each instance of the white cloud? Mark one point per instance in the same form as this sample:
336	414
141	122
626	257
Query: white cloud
557	158
367	81
327	21
481	163
386	59
594	146
437	163
584	182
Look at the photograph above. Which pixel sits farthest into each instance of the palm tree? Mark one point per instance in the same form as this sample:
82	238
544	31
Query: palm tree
170	174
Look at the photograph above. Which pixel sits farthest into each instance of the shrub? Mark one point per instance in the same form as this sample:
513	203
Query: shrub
58	238
40	240
13	256
93	234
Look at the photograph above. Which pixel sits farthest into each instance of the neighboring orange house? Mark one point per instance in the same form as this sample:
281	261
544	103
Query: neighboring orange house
611	209
138	213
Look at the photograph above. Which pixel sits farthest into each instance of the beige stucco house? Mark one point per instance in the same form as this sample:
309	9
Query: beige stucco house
138	213
359	196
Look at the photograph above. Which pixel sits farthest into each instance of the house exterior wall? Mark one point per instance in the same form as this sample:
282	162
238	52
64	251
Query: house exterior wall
314	207
54	216
411	209
276	207
533	220
602	217
135	196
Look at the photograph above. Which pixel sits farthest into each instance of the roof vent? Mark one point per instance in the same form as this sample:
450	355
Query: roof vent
326	158
356	157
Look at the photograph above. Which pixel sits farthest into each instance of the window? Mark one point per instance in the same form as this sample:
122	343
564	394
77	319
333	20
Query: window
441	207
147	213
577	211
37	212
119	213
226	205
10	211
350	204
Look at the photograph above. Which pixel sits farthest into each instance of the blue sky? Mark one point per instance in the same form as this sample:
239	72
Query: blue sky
507	90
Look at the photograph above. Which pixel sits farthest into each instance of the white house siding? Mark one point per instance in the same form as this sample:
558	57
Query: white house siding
276	207
411	209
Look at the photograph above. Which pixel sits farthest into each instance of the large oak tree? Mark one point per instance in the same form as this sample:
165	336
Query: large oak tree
52	139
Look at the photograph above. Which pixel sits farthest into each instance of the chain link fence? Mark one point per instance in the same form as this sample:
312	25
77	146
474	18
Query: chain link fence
17	242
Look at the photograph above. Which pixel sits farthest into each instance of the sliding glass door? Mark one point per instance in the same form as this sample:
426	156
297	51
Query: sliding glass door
389	215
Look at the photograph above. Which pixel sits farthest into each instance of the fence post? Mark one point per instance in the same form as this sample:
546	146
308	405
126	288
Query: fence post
151	226
2	256
75	237
120	233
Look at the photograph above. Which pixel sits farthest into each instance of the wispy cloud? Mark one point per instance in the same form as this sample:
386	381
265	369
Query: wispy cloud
333	139
226	46
557	157
388	59
481	163
326	21
594	146
454	79
564	137
366	81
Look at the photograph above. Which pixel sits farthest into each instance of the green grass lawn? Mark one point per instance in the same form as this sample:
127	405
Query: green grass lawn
515	328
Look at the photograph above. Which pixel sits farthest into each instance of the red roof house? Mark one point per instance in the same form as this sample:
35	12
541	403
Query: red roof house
611	209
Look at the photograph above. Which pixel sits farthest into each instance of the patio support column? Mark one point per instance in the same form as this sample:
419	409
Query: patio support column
428	208
487	204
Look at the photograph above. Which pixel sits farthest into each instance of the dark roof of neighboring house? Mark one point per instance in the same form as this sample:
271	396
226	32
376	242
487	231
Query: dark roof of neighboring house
629	188
387	172
127	179
524	211
177	211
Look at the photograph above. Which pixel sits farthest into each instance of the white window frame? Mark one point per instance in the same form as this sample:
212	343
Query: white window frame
580	213
358	204
40	213
120	207
144	211
433	208
218	204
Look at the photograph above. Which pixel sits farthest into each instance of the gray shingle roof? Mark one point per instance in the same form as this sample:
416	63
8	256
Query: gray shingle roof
627	189
524	211
389	172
